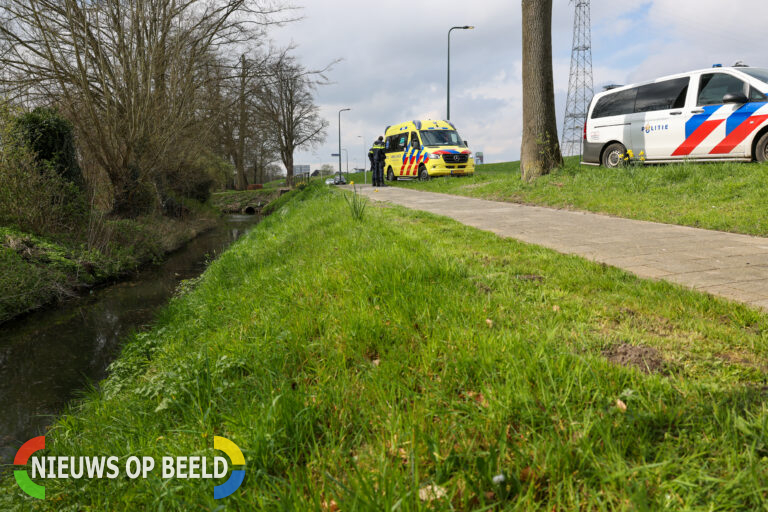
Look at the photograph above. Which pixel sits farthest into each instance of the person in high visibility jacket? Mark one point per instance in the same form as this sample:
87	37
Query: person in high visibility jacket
378	162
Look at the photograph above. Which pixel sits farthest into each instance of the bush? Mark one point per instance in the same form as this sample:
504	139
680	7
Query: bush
33	195
187	180
51	138
218	169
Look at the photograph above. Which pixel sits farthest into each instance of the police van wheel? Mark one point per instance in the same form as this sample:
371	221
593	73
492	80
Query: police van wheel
613	156
423	174
761	150
390	175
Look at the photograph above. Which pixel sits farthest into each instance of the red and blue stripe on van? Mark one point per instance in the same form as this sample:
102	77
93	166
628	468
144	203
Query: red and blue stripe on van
738	126
412	159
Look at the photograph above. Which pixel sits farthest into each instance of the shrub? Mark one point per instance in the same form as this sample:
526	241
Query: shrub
33	195
187	180
218	169
51	138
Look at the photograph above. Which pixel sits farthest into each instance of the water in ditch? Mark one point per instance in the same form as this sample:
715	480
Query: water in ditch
47	357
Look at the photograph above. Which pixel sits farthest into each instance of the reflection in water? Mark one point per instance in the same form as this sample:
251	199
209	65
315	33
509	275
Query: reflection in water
47	356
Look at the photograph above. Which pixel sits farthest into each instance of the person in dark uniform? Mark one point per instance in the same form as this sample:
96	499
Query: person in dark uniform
370	157
378	162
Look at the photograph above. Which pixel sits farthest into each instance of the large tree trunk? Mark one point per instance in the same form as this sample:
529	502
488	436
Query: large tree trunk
540	151
288	162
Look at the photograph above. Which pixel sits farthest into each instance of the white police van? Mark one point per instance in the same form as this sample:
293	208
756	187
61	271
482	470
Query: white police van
707	115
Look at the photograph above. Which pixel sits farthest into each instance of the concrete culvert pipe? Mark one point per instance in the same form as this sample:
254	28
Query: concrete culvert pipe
249	210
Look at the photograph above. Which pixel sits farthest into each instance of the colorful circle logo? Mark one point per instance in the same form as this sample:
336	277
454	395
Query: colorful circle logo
238	475
21	459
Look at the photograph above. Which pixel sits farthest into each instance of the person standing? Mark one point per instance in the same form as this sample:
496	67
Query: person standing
378	162
370	157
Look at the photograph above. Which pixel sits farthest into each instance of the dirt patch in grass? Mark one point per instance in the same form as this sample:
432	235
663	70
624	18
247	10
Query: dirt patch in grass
646	359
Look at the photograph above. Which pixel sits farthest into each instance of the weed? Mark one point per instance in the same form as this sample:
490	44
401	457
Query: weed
357	204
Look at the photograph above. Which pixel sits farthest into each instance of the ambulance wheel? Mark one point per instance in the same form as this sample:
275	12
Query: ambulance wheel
423	174
390	175
761	149
613	156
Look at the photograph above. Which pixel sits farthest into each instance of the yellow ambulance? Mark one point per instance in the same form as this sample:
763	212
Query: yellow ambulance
422	149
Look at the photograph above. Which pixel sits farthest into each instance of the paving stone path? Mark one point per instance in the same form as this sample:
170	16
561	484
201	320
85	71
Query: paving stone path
726	264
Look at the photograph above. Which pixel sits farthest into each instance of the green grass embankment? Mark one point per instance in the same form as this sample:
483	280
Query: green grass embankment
720	196
38	270
383	363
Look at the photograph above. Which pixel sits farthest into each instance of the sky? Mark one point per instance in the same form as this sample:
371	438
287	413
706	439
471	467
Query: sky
393	57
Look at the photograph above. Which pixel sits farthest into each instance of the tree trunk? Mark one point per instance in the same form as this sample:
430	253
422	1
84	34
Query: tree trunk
540	151
288	162
242	182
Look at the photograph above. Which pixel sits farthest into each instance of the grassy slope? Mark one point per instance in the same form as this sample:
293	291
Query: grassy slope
36	270
25	284
725	197
363	362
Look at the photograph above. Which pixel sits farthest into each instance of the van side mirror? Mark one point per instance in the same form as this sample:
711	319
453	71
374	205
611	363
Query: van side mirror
735	98
466	143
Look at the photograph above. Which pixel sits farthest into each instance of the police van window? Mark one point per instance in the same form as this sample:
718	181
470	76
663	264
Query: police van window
714	86
616	104
664	95
755	95
759	73
402	140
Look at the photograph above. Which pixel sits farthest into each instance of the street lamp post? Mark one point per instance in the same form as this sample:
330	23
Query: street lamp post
347	155
362	141
465	27
340	111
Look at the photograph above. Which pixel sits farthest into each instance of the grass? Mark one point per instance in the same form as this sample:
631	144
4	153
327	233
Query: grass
365	363
38	270
719	196
33	271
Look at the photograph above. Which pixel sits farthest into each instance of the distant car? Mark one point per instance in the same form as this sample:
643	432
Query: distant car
336	180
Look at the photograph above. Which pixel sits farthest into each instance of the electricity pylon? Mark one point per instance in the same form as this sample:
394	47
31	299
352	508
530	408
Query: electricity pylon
580	83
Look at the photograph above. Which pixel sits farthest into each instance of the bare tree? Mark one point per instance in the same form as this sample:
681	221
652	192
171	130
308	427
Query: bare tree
264	153
540	150
128	73
287	105
247	138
